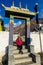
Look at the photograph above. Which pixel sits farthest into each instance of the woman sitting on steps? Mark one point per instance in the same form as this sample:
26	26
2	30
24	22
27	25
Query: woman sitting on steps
19	43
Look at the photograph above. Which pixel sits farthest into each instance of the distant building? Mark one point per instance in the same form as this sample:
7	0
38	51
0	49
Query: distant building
1	24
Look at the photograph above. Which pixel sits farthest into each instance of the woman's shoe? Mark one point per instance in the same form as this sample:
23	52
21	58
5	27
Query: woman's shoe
21	52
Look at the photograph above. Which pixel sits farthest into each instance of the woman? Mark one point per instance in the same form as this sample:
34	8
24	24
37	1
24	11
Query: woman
19	43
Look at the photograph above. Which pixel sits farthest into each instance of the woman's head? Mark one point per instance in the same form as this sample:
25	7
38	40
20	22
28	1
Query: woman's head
19	37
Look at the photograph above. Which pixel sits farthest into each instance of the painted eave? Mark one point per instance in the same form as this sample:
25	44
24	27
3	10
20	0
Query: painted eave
22	10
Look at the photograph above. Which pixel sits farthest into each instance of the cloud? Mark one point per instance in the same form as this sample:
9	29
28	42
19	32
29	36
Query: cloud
17	24
6	25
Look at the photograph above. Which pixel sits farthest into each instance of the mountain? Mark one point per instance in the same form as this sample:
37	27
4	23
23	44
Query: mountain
21	28
41	20
33	24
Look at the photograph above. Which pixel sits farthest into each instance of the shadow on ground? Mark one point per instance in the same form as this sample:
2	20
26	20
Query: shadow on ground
41	57
5	57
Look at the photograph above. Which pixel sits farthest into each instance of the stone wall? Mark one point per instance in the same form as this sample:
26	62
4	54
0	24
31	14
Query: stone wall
4	41
35	41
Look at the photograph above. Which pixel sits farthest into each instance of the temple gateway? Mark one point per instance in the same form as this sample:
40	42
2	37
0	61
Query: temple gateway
18	13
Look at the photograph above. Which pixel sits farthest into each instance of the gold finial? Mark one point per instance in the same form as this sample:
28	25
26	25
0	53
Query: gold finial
26	6
20	4
13	3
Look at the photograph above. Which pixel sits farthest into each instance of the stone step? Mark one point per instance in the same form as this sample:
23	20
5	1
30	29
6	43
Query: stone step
17	51
33	64
23	60
15	47
24	52
0	59
21	55
0	63
26	63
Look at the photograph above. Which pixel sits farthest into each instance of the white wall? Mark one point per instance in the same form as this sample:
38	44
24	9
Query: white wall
4	40
35	41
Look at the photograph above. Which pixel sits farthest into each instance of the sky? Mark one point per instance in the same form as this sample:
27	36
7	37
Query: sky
30	5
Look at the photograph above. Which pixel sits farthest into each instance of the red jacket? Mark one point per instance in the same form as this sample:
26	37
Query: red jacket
19	42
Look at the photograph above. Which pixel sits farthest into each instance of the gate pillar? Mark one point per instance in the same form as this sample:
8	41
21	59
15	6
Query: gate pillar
27	32
11	48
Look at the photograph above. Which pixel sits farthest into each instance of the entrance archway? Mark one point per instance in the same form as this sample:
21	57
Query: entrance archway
27	29
15	12
20	13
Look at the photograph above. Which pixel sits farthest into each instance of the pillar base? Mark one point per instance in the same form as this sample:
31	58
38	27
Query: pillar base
11	55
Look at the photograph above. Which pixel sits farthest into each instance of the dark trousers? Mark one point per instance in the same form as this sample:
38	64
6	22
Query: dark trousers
19	47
